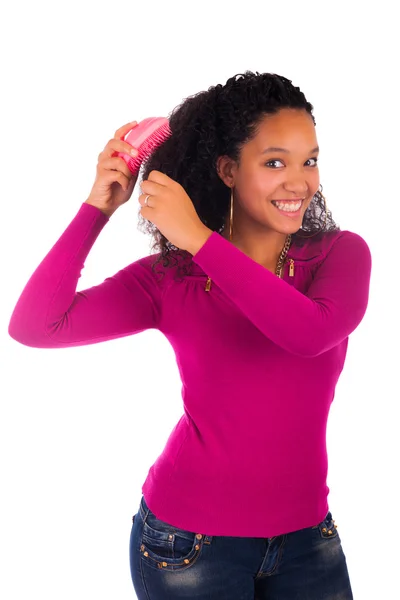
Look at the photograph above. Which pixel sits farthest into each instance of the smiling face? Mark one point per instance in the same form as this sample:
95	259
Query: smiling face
279	163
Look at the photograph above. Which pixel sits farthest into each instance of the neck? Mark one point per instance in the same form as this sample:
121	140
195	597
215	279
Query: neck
264	248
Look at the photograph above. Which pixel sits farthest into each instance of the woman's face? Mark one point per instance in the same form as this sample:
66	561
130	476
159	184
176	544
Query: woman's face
264	175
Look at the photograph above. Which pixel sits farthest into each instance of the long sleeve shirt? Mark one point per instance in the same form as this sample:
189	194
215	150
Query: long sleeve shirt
259	358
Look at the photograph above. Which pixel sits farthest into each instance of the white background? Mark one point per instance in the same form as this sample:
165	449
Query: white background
80	427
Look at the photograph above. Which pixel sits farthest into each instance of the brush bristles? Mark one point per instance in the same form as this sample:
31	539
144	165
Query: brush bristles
157	138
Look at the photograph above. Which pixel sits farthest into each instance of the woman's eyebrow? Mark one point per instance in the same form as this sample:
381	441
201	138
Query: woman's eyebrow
276	149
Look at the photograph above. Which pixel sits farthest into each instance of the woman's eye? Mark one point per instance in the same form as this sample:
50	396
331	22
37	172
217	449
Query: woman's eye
272	161
277	160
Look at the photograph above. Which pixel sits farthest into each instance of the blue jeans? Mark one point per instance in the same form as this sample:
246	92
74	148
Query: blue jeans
168	563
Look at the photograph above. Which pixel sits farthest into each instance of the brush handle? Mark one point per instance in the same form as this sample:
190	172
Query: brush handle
145	137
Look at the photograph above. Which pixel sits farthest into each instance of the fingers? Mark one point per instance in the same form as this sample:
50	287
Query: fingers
117	143
109	176
114	146
160	178
122	131
155	186
115	163
151	187
143	197
158	185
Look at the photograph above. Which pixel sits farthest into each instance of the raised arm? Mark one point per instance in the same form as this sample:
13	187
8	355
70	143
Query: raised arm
50	313
305	325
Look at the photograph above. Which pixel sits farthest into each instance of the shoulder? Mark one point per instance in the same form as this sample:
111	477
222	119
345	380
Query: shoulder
342	243
347	246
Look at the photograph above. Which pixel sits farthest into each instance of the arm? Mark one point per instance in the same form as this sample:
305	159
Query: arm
306	325
51	314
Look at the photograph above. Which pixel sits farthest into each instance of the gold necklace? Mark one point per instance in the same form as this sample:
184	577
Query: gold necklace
279	265
282	256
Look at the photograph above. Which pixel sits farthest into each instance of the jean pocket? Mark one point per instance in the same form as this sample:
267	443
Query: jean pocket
327	528
168	547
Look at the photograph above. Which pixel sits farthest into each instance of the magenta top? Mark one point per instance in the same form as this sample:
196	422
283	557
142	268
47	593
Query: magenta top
259	358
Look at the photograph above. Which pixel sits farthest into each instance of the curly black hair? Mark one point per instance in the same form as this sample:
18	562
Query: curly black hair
218	122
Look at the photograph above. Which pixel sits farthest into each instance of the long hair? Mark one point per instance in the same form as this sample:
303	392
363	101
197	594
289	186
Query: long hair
218	122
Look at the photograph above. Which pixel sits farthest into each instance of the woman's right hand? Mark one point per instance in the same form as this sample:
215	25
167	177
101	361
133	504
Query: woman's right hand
114	182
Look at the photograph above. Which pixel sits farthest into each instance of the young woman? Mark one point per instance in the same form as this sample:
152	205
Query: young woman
257	290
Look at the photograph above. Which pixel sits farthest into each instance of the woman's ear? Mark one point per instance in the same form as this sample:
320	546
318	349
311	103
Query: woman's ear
226	170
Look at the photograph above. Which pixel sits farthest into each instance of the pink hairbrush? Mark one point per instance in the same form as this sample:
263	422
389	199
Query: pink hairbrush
145	137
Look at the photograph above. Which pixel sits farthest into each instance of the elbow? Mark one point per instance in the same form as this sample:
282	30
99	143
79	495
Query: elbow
14	333
313	348
26	337
22	339
309	347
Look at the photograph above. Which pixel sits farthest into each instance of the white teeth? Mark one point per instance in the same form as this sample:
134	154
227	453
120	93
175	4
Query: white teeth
288	207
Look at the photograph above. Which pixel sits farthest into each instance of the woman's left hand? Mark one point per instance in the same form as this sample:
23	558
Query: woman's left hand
172	212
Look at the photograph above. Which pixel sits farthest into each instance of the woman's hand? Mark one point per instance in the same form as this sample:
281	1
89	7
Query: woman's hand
114	181
172	212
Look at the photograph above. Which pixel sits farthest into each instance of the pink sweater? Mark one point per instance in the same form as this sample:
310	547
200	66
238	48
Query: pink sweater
259	358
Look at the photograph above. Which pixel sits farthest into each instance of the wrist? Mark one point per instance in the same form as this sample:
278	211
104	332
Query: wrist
199	240
105	211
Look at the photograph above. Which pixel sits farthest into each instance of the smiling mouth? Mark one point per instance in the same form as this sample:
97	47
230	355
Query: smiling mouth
289	208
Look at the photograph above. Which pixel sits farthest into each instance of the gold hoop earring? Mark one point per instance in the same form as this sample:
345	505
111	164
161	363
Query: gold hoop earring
231	217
